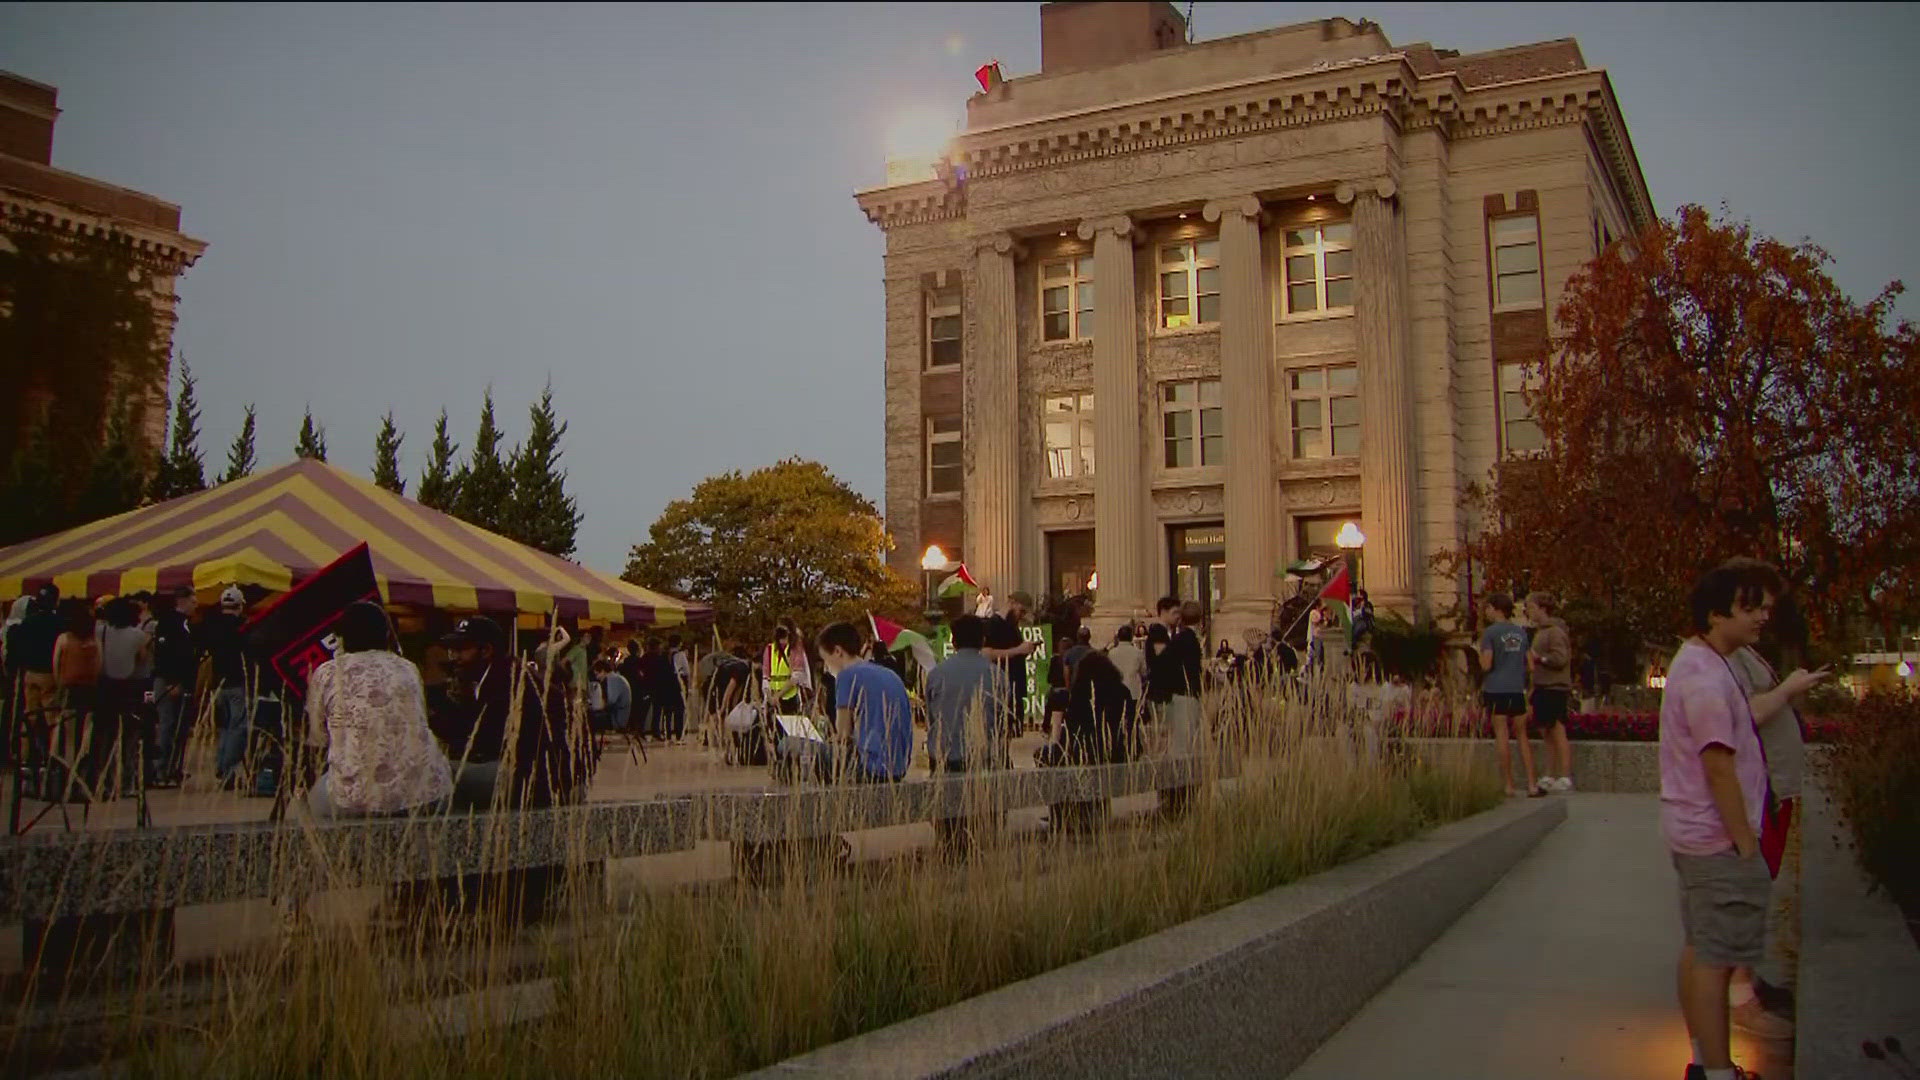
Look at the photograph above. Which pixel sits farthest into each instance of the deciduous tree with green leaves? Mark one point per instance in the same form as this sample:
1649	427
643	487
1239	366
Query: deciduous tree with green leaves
35	501
386	456
1713	393
240	460
543	514
789	541
439	485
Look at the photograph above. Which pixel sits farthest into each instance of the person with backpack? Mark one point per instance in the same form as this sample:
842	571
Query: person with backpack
1503	689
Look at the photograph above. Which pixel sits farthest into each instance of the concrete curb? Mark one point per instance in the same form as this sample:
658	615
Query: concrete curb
1250	990
1859	967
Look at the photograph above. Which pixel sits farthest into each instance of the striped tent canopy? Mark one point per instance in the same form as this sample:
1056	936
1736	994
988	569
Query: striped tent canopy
275	528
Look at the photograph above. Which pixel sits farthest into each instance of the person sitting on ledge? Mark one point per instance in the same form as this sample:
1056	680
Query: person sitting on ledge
368	708
1095	729
875	716
496	724
964	702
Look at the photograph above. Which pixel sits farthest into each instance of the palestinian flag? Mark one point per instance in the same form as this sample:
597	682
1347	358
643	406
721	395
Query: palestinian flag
1337	594
989	75
959	584
897	638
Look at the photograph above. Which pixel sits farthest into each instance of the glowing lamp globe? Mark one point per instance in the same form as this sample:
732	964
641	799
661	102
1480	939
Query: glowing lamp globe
934	559
1350	537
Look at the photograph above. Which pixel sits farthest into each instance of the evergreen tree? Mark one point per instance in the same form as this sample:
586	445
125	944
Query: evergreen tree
439	488
181	471
116	481
543	516
33	496
240	454
386	456
313	440
486	487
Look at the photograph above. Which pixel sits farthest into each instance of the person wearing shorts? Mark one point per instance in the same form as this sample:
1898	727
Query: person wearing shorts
1550	662
1503	690
1713	788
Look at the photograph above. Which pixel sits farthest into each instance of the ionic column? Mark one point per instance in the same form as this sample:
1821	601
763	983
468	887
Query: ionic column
1246	383
1119	501
991	420
1386	395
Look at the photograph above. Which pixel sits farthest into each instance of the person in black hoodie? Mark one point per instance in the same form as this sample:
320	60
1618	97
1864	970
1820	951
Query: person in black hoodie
507	746
175	664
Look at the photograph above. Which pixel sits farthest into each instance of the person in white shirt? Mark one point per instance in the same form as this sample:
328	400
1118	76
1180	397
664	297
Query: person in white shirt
368	708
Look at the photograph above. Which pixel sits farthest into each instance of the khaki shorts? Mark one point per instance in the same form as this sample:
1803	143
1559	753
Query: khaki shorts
1723	906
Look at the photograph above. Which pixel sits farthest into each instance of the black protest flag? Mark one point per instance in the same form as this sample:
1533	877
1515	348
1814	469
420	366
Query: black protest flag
293	634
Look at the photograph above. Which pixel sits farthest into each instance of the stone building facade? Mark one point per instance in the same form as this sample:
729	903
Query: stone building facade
1176	312
35	195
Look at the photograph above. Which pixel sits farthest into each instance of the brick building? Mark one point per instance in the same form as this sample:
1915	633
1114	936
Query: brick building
35	195
1179	311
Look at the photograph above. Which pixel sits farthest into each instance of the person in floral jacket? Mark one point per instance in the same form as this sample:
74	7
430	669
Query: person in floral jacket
367	706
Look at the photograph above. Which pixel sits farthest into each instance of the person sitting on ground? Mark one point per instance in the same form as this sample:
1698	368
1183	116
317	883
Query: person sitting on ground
1094	730
368	708
964	703
875	715
497	718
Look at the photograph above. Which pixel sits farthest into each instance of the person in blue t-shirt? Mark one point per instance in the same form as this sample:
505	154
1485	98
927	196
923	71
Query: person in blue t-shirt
874	714
1503	691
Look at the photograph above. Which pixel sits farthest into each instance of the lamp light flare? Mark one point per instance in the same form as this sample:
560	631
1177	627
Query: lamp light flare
914	141
1093	581
956	44
1350	536
934	559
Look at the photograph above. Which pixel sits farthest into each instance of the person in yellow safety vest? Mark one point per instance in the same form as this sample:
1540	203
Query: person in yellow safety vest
778	665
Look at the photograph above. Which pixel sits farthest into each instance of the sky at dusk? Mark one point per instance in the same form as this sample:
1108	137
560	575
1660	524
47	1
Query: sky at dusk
651	206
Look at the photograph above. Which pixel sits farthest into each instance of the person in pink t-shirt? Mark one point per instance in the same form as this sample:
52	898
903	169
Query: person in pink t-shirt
1713	789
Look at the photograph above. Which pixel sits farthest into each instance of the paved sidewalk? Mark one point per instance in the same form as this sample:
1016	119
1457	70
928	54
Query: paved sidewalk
1564	969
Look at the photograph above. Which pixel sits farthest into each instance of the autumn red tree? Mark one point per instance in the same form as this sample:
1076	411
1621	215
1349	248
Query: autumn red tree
1712	392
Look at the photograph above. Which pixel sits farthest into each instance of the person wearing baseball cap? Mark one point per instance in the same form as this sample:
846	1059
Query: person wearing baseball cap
220	638
494	720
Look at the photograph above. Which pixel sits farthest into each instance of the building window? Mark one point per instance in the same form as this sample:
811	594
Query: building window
1319	268
1519	432
1313	537
944	458
1325	406
1516	261
1066	299
1192	425
943	328
1189	283
1068	429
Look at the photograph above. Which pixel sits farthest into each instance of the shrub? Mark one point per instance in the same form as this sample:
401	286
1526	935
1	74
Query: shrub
1408	649
1873	775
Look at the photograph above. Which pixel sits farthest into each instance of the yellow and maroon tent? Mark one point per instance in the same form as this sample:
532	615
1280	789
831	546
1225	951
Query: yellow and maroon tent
275	528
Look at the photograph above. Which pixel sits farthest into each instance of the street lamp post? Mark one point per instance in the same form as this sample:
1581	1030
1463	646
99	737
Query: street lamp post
934	561
1350	540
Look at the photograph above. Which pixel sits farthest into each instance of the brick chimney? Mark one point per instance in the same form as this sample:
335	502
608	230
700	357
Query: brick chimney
27	112
1094	33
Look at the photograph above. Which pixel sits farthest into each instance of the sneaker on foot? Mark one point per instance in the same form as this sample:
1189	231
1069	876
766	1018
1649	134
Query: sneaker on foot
1538	791
1750	1017
1566	783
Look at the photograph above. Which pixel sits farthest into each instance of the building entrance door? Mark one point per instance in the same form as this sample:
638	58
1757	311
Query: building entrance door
1069	561
1198	555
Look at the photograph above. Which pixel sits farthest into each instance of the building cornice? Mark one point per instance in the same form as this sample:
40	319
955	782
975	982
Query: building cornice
912	204
1386	86
157	249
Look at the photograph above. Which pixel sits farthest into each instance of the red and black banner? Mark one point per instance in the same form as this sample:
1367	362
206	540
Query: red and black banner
294	634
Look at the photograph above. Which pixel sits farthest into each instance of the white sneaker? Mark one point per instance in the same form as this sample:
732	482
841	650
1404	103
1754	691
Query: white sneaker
1566	783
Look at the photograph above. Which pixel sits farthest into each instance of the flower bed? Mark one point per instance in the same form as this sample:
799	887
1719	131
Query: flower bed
1602	727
